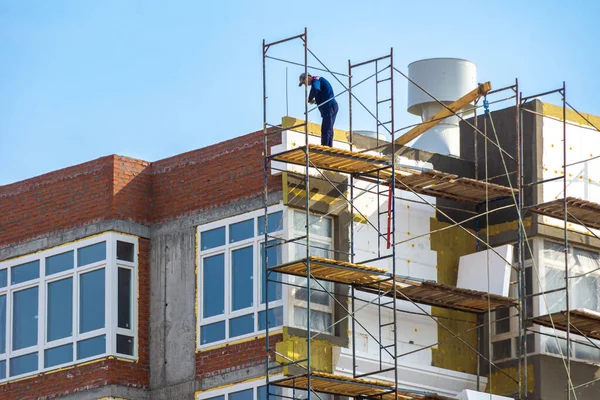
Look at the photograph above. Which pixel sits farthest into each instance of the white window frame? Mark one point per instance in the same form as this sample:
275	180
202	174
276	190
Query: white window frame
254	384
329	309
513	332
227	250
110	306
560	267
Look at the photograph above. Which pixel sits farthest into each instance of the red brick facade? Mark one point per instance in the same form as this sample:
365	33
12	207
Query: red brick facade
233	357
121	188
116	187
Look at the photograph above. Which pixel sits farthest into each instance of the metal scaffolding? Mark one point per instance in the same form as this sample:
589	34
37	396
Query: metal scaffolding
480	197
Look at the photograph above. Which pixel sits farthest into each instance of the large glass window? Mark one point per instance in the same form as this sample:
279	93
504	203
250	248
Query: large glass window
321	245
232	277
57	302
254	390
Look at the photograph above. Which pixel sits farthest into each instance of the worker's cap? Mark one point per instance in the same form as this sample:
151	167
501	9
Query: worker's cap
302	78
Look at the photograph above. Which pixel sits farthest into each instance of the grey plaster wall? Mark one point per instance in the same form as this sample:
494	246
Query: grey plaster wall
173	328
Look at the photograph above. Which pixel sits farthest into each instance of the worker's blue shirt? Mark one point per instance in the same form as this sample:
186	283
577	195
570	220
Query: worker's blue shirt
321	91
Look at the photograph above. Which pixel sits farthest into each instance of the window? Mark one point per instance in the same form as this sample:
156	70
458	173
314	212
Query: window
321	245
57	306
502	350
254	390
232	283
584	292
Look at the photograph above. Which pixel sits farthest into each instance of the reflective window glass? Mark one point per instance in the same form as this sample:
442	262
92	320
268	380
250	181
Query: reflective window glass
60	309
2	369
25	272
91	254
213	287
91	300
212	238
241	325
242	265
59	262
125	345
124	298
125	251
23	364
58	355
274	222
319	321
274	258
3	277
2	324
241	230
25	318
242	395
318	225
275	318
213	332
91	347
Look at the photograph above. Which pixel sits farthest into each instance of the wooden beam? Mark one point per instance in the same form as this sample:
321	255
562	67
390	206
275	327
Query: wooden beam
459	104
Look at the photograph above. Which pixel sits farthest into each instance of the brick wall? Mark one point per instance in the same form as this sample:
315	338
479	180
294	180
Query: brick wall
233	357
116	187
104	372
211	177
107	188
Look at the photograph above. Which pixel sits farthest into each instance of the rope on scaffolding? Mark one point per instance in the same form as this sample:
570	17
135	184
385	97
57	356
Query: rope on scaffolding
535	267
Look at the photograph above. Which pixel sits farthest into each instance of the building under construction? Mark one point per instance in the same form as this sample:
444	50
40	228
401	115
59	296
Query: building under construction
457	258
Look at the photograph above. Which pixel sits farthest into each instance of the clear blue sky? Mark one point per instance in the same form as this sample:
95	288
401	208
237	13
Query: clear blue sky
151	79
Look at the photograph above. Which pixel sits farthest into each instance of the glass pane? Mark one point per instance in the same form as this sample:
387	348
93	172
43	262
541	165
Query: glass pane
318	225
242	395
212	238
58	355
317	293
59	262
91	301
241	230
222	397
213	286
273	392
502	320
124	298
23	364
125	251
275	318
125	345
3	277
502	349
2	369
25	318
241	325
242	278
319	321
25	272
91	347
273	258
213	332
274	222
317	249
91	254
60	309
2	324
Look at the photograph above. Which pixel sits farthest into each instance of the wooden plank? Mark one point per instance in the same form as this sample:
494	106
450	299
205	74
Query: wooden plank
459	104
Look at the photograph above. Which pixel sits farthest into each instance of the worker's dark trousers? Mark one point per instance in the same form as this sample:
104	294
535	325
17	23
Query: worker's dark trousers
328	116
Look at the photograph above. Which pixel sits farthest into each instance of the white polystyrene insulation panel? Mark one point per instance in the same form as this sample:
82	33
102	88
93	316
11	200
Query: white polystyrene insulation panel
583	180
486	271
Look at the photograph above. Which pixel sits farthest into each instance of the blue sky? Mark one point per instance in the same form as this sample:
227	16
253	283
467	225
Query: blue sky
151	79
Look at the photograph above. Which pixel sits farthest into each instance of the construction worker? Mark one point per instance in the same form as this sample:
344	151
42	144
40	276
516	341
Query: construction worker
321	93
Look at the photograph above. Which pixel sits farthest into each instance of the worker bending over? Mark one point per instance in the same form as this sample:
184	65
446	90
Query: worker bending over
321	93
